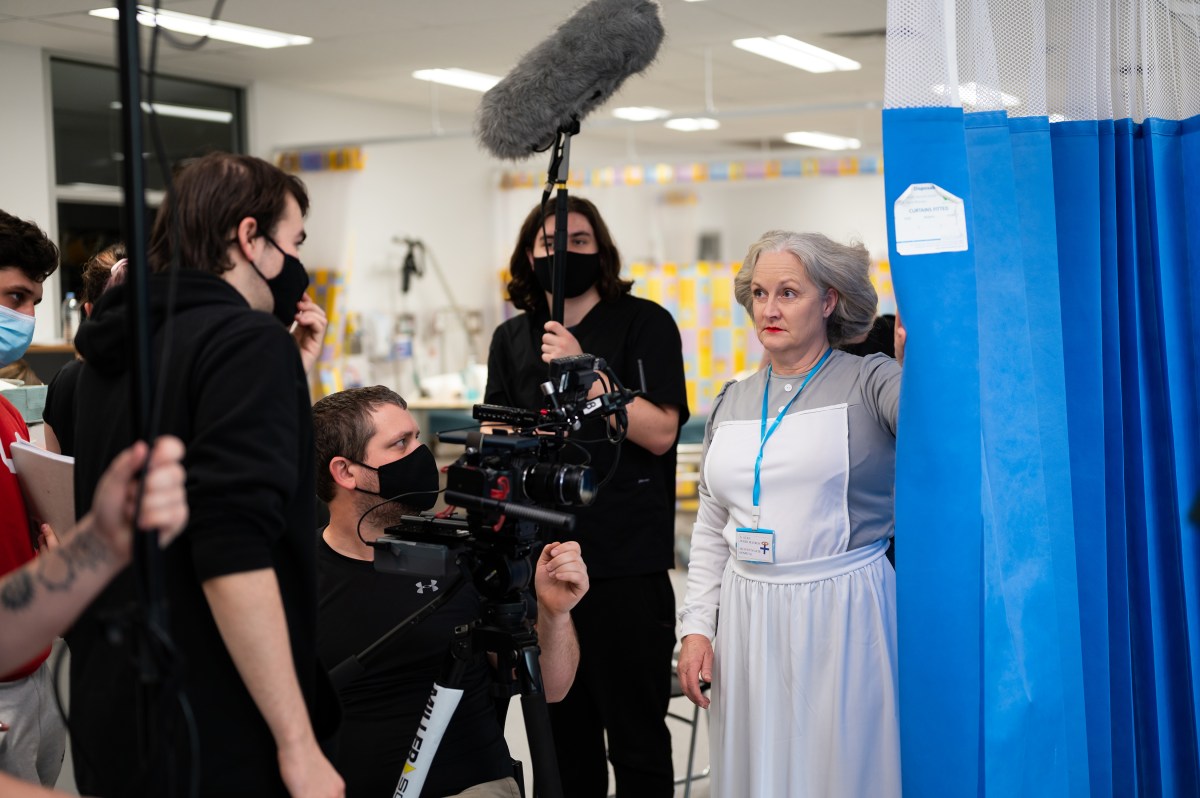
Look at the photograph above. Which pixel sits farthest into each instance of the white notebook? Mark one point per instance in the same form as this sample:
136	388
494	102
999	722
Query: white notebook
48	482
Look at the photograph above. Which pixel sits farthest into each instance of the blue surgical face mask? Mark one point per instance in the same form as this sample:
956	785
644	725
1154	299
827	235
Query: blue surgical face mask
16	333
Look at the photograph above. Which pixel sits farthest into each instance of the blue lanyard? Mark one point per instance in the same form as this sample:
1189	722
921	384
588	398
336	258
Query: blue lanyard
766	433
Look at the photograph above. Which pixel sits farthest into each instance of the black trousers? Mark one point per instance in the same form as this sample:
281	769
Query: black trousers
626	629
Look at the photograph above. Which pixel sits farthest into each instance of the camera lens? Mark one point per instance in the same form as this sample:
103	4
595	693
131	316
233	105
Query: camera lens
559	484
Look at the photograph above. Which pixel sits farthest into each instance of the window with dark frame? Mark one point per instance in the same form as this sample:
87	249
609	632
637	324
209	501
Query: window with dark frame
194	118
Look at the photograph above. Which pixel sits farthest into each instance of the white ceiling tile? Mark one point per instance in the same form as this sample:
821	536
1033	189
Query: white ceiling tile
367	49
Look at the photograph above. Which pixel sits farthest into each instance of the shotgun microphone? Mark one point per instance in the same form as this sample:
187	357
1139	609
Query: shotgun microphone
563	79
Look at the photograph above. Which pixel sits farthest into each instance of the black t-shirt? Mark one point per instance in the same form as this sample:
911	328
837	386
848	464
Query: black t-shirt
59	412
629	529
381	709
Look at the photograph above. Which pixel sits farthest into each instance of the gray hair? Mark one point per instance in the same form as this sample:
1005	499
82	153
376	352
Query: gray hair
828	264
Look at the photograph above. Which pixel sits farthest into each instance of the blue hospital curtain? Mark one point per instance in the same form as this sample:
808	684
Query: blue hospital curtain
1043	195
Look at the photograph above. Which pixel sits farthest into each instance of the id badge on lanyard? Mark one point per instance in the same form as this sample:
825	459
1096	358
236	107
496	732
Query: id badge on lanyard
756	545
753	543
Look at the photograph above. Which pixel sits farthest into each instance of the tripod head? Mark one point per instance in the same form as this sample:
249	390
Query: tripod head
425	546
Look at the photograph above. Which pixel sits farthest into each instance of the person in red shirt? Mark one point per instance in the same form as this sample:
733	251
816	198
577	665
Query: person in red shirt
32	734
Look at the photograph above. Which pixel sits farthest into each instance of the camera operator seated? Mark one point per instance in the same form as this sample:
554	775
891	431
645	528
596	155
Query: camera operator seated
365	437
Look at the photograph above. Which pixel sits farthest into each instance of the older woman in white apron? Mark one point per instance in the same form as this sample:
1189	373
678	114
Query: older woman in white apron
788	548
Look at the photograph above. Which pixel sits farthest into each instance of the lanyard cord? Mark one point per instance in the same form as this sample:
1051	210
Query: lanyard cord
765	433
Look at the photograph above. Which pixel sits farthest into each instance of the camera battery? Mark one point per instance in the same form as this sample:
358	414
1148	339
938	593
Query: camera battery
396	556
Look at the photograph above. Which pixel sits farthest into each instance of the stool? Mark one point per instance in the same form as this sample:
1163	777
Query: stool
693	721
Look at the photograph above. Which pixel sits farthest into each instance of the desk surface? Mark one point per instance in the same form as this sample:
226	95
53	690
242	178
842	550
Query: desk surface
47	359
440	404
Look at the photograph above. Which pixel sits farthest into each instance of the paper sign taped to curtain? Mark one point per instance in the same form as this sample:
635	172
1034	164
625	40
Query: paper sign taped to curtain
929	219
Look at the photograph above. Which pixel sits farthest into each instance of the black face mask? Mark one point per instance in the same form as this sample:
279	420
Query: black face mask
583	270
412	480
286	287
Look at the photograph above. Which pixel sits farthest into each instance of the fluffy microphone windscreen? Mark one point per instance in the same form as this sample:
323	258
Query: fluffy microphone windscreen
568	75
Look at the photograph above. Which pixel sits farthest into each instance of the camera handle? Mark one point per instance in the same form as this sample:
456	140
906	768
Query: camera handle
524	512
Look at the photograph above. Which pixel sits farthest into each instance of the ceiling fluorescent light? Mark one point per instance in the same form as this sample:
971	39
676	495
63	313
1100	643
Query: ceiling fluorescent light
691	125
794	52
202	26
183	112
462	78
822	141
640	113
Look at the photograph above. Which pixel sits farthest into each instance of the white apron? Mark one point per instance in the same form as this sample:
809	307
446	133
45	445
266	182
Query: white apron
804	682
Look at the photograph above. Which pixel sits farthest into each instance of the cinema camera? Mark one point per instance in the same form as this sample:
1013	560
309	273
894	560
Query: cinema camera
508	481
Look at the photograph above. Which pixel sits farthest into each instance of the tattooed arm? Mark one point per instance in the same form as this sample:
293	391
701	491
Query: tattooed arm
12	787
40	600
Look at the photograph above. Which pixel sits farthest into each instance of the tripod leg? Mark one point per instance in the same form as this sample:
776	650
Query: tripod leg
519	776
438	711
443	700
547	783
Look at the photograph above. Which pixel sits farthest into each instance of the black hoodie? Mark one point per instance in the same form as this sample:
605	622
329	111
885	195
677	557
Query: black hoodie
236	394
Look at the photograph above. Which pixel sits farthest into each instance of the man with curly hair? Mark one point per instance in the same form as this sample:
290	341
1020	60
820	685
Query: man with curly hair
32	735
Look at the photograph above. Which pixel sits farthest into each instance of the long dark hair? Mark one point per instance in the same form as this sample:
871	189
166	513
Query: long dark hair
523	288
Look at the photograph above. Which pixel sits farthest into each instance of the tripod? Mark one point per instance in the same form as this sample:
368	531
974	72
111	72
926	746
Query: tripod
505	629
500	565
503	571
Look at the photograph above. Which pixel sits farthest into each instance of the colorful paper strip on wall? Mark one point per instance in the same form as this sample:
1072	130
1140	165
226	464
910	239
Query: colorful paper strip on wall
715	172
346	159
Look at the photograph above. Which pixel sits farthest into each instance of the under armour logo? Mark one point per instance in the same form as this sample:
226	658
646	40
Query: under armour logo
432	586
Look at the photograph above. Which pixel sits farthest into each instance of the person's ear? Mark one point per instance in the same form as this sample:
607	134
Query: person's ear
248	240
831	300
87	310
339	469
